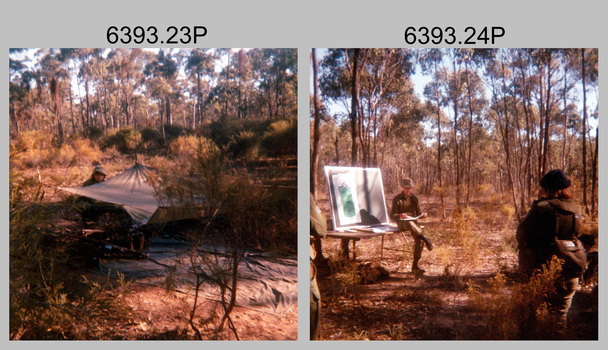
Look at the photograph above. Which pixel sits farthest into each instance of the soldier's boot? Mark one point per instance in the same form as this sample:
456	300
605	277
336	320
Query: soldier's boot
427	241
417	255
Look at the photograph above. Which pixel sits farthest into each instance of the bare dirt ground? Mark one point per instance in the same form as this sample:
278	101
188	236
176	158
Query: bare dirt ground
152	312
164	313
161	314
432	306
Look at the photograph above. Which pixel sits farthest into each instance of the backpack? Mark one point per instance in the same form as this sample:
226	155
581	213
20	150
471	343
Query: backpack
567	229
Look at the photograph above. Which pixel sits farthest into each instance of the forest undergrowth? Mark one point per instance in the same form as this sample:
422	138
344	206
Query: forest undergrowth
54	295
471	289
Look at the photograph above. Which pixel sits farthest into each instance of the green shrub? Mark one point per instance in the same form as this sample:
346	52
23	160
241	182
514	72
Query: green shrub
47	299
185	147
126	140
65	156
34	139
36	150
94	133
77	151
151	138
32	149
281	139
245	144
172	132
523	313
466	238
223	130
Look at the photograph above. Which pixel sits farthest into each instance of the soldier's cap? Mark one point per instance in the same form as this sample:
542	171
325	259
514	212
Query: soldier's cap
555	179
100	169
407	182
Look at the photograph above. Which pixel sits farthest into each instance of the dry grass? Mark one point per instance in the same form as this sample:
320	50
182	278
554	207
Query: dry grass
50	298
471	289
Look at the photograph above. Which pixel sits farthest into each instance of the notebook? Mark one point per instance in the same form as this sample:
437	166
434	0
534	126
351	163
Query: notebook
357	200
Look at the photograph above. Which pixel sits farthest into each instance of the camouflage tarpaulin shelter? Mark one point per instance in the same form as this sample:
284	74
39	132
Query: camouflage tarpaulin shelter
132	191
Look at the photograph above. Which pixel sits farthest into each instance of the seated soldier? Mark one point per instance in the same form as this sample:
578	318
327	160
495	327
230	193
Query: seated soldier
90	209
406	205
99	175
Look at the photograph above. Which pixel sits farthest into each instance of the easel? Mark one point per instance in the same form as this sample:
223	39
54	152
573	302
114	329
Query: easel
347	236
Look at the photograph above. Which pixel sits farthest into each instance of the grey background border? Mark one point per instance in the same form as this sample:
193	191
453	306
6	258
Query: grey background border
301	25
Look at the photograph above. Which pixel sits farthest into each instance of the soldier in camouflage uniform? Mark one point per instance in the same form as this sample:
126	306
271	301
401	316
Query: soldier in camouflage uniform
406	205
553	216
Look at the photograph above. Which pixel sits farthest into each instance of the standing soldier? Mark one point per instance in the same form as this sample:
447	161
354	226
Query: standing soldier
552	218
406	206
318	229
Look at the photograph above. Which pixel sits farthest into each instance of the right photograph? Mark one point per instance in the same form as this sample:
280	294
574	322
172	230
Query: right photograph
454	194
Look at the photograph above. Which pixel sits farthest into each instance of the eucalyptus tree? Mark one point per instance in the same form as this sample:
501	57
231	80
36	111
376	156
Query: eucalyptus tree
244	82
454	80
474	103
524	86
355	118
430	60
223	87
103	110
225	91
528	94
339	85
19	88
84	76
369	84
162	73
127	71
385	92
314	146
200	65
546	65
588	76
499	76
27	93
277	80
55	78
67	57
592	77
567	92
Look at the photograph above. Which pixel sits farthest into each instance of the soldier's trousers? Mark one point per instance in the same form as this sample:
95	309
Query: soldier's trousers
418	247
565	290
565	285
419	239
315	304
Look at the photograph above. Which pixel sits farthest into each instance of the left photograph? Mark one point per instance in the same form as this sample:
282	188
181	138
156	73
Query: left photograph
153	194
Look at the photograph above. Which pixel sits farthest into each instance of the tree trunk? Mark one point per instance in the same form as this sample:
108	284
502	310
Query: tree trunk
565	129
506	142
546	149
198	110
168	111
469	158
585	205
14	121
594	197
353	109
56	108
316	124
439	172
88	105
